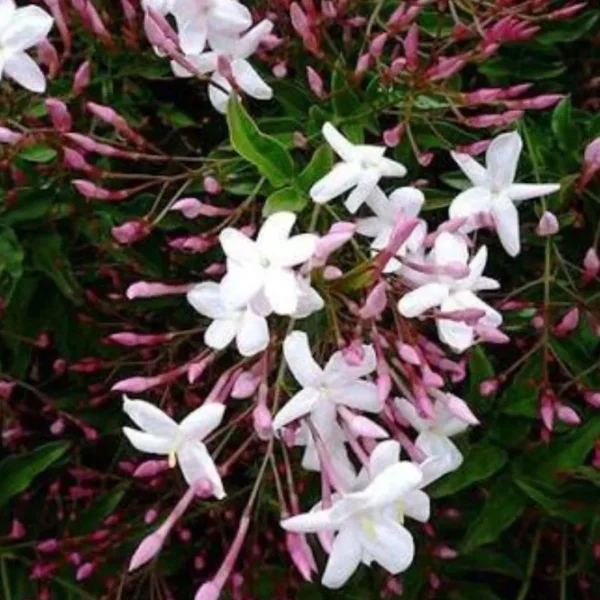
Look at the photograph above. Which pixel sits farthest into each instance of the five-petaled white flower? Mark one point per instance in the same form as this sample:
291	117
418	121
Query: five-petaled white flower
494	190
362	169
369	520
202	21
266	265
442	455
323	391
405	202
235	51
182	442
450	294
21	29
247	325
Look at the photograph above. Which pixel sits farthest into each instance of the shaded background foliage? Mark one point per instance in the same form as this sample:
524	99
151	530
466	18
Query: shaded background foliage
522	512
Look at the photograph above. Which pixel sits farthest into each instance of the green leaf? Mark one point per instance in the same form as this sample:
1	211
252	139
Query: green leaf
38	153
563	126
472	591
11	262
520	398
18	472
93	516
320	164
481	462
488	561
504	506
264	152
288	198
480	369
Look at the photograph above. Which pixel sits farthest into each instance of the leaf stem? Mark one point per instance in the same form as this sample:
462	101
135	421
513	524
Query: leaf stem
535	546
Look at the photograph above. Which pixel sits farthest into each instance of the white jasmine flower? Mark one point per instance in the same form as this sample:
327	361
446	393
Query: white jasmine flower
266	265
182	442
247	325
21	29
369	520
448	293
494	190
362	168
405	202
235	51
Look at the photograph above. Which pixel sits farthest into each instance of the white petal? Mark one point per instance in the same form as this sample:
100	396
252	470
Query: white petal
506	219
417	505
204	63
342	146
344	559
27	27
241	284
526	191
26	72
392	483
220	92
196	463
409	412
281	290
476	268
438	446
192	36
383	456
450	248
298	406
238	246
220	333
446	423
458	335
502	158
150	418
422	299
339	373
206	299
253	334
469	203
299	359
391	168
7	11
310	522
249	80
147	442
340	179
366	184
476	173
361	395
249	42
407	201
229	16
275	231
309	300
392	546
295	251
372	227
202	421
378	202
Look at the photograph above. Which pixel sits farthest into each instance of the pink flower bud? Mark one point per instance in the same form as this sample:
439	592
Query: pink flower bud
459	408
444	552
195	244
547	408
131	231
150	516
48	56
84	571
147	550
411	47
393	136
151	468
363	64
408	354
211	186
59	114
566	12
537	103
301	554
331	272
397	66
338	234
81	78
377	44
592	398
17	531
57	427
47	546
6	389
245	385
7	136
375	303
591	265
59	366
567	415
491	334
364	427
92	191
483	96
127	338
568	323
280	70
548	224
445	68
315	82
146	289
489	387
208	591
262	421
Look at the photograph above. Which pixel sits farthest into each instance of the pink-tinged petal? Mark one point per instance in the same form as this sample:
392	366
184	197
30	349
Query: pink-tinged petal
422	299
417	505
342	146
344	559
220	333
206	299
310	522
202	421
410	413
367	182
297	407
294	251
339	373
281	290
506	220
299	359
196	463
25	71
253	334
340	179
383	456
27	27
250	81
502	158
476	173
361	395
372	227
146	442
518	192
391	545
450	248
469	203
150	418
238	246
